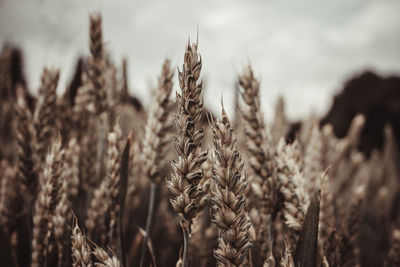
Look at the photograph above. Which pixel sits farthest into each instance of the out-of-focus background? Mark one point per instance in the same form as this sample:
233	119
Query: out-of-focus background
303	50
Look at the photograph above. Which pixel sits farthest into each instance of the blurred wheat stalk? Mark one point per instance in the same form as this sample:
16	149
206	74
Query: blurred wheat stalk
90	178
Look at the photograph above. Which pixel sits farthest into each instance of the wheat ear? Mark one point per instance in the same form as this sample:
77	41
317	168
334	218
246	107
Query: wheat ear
393	257
155	142
8	194
46	202
105	214
264	183
228	199
96	65
158	126
186	170
44	115
25	141
292	188
105	260
59	216
280	124
81	254
287	258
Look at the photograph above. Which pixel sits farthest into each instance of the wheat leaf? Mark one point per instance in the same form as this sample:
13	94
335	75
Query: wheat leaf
307	245
124	172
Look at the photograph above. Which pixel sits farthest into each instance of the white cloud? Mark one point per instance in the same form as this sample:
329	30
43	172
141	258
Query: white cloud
301	49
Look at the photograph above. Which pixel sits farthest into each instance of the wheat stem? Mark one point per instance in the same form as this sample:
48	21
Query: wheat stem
185	230
149	220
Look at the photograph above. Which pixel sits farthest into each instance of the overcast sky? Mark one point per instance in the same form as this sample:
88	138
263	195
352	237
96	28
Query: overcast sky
303	50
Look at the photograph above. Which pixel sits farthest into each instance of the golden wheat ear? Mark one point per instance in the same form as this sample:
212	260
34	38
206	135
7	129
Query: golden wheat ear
103	259
44	116
263	182
80	250
46	202
25	141
103	215
157	133
187	169
228	199
292	181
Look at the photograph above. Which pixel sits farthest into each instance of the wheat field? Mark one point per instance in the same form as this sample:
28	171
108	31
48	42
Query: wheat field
92	178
